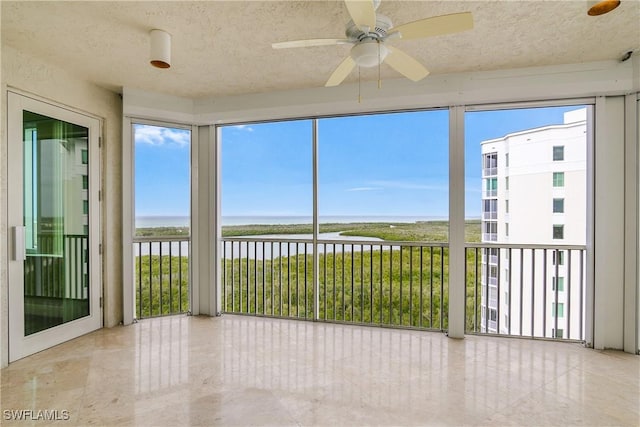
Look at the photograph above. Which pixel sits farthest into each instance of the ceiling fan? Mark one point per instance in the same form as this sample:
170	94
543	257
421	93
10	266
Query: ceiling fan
368	32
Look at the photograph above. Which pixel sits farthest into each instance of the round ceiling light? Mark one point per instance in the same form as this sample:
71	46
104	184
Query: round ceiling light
369	53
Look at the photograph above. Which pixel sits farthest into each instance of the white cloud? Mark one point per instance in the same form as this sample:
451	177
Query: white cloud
155	135
246	128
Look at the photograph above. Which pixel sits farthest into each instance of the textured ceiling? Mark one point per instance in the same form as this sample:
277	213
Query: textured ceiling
224	47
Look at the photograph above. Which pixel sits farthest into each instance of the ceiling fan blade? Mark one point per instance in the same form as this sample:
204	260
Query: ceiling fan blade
309	42
435	26
362	12
405	64
341	72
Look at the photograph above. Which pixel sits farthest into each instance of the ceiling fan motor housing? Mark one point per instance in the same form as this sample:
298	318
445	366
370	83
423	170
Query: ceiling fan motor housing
369	50
383	23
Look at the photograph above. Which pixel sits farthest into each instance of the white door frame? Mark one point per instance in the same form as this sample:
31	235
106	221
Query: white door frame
19	345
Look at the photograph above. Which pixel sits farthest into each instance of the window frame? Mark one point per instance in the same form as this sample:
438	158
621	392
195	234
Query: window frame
558	153
558	180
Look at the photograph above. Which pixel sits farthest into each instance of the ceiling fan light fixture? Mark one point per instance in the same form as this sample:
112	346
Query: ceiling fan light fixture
369	53
600	7
160	49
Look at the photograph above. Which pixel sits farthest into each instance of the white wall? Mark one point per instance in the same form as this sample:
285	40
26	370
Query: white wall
30	74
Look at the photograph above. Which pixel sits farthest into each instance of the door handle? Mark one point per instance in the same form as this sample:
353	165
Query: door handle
19	246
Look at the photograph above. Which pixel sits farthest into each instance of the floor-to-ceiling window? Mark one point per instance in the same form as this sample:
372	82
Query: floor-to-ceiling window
267	216
162	195
526	194
339	219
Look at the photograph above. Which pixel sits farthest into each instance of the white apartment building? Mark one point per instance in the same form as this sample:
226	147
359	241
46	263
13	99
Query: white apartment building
534	189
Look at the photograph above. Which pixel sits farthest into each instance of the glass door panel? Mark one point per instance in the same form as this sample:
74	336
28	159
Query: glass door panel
56	222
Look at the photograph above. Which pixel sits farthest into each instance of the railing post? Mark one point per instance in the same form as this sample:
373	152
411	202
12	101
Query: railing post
316	227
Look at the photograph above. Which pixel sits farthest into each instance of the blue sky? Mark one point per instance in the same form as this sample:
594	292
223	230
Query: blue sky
384	164
161	171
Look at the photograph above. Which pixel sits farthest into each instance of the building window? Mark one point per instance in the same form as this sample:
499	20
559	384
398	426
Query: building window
558	179
490	209
558	153
493	315
490	164
558	231
506	229
85	207
559	283
86	230
85	157
506	159
506	321
85	182
558	256
491	187
558	205
559	307
493	272
557	333
506	183
506	206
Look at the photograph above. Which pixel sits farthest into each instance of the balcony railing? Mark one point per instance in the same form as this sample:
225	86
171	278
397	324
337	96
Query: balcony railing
400	284
528	305
490	215
161	276
489	237
492	171
59	269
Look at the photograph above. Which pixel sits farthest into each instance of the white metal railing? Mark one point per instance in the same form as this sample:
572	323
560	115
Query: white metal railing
490	215
489	237
492	171
400	284
525	291
162	282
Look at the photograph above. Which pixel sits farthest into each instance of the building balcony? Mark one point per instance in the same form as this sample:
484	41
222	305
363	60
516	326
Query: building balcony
489	215
489	237
487	172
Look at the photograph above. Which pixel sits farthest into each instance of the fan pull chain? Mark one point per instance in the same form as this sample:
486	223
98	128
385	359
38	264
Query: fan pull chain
379	79
359	88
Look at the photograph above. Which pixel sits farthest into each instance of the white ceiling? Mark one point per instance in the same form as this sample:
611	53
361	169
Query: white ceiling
224	47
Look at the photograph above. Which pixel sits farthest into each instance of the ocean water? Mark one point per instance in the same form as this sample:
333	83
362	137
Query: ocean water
161	221
183	221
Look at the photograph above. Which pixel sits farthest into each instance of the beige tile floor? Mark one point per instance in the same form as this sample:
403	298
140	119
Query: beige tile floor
253	371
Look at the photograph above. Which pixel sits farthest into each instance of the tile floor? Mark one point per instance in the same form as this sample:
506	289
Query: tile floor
237	370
